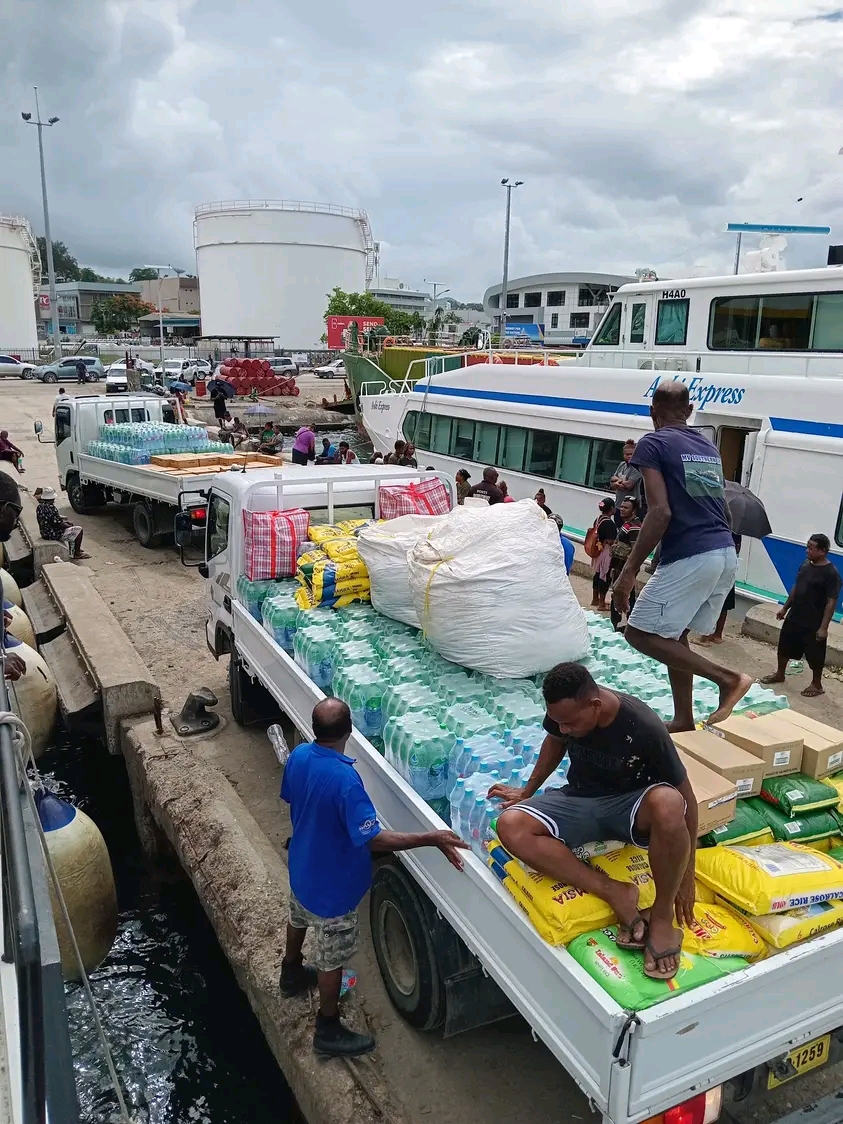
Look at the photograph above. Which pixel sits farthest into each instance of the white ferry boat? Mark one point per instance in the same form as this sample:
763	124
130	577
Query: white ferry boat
762	356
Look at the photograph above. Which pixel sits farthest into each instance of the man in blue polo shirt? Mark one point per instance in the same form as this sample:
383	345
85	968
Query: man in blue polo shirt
335	833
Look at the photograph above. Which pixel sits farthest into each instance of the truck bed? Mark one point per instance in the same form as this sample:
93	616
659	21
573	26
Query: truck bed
676	1049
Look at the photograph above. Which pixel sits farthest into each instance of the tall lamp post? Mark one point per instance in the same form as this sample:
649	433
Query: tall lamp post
437	285
509	186
51	269
159	269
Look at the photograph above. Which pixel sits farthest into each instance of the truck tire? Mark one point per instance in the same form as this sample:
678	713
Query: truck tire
401	935
79	495
143	521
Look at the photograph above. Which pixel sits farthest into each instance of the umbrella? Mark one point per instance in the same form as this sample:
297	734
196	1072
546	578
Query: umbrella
748	514
259	410
177	384
222	384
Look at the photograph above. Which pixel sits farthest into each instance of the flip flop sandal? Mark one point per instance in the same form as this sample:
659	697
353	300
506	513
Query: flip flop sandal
660	956
633	946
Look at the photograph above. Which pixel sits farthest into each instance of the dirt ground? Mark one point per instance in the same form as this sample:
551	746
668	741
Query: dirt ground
497	1073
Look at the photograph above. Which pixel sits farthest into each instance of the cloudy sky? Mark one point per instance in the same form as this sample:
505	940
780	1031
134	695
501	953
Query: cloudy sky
639	127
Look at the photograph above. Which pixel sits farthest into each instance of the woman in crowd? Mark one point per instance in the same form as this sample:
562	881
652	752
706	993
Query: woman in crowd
629	524
604	535
462	478
507	498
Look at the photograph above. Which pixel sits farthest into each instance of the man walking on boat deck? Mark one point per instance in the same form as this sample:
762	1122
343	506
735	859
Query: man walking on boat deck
335	833
687	515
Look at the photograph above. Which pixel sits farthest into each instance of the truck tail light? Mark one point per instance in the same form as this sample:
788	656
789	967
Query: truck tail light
704	1108
197	514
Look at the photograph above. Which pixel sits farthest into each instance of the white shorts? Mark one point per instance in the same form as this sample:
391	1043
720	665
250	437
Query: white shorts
687	594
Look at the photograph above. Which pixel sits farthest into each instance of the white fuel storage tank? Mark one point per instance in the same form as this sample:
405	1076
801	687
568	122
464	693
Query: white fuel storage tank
266	266
20	280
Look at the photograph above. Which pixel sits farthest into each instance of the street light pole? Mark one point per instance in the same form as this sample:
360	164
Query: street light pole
51	269
509	186
442	291
158	269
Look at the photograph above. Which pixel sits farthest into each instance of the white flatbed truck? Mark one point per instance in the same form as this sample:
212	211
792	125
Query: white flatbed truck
442	936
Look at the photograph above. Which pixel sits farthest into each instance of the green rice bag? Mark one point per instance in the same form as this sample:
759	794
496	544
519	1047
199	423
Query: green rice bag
620	971
750	827
796	794
837	853
802	828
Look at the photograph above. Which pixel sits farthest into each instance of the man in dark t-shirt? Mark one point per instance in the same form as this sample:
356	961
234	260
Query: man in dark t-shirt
625	781
687	516
488	487
807	614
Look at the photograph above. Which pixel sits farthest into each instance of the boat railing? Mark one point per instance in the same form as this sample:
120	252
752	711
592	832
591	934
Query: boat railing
41	1083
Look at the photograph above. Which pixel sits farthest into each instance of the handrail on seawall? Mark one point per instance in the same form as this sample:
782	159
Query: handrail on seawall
46	1085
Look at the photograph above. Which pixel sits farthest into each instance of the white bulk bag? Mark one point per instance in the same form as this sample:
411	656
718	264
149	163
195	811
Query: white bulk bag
383	547
491	593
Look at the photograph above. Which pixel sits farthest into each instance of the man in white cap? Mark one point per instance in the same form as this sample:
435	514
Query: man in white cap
55	527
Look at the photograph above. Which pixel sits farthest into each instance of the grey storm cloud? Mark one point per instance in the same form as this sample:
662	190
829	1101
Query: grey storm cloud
640	127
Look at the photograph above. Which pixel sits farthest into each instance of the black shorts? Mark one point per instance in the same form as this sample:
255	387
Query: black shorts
796	641
577	820
729	603
297	457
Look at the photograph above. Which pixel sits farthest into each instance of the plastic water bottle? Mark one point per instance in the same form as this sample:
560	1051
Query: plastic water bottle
473	765
503	766
455	758
466	808
528	754
507	737
456	800
476	824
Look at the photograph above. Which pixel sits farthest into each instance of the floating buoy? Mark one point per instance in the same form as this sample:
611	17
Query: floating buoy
21	627
34	697
84	873
11	589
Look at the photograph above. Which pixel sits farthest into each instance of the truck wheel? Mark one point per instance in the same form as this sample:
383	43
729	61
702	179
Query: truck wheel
76	494
143	522
404	949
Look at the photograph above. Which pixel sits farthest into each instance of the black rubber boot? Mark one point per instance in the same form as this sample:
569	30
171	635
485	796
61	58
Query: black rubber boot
296	979
334	1040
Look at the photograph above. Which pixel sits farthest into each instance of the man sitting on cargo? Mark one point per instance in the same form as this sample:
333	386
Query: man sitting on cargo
335	833
627	782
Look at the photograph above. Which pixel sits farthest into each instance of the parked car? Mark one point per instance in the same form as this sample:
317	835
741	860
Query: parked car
283	365
64	370
333	370
184	370
12	367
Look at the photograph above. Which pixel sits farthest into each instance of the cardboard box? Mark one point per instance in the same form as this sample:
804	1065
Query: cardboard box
780	749
823	752
716	797
745	770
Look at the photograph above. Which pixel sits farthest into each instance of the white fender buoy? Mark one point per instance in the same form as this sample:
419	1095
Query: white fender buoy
21	626
11	589
34	696
84	873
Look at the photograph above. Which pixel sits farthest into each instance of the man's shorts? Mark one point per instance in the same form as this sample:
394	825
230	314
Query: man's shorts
795	641
335	937
687	594
577	820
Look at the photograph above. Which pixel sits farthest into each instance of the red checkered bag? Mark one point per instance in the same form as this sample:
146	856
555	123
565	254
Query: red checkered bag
271	542
429	497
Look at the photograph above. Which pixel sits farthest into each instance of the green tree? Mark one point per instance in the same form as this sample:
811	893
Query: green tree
66	265
341	303
143	273
118	313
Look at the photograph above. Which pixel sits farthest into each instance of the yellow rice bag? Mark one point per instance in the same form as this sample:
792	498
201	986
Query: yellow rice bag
553	905
837	782
351	526
704	895
781	930
720	931
341	550
548	930
303	598
630	865
321	532
770	878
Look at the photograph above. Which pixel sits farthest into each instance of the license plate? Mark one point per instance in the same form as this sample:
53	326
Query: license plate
804	1058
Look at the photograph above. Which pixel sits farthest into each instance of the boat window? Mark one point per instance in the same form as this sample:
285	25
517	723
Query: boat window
556	299
609	332
786	322
573	463
636	323
463	438
512	448
541	453
423	431
828	322
408	425
672	322
218	516
605	458
733	323
440	434
486	442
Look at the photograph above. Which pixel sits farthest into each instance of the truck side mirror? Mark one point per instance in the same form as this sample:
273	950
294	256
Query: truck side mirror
183	529
38	427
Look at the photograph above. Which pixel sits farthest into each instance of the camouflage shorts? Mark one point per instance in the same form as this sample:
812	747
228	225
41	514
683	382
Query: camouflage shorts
335	938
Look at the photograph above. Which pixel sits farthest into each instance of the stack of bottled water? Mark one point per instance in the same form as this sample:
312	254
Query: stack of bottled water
279	615
154	439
